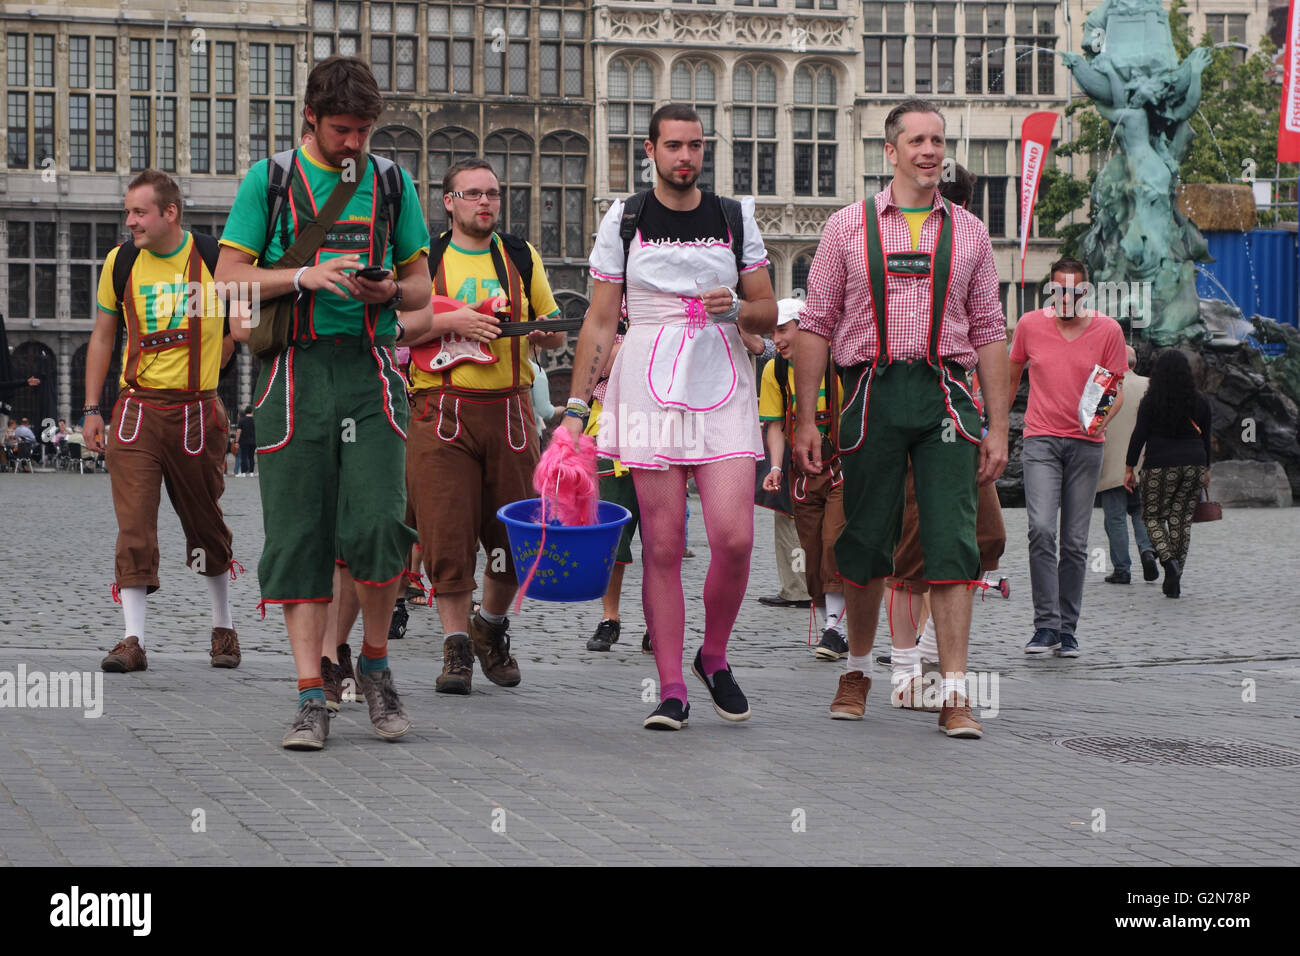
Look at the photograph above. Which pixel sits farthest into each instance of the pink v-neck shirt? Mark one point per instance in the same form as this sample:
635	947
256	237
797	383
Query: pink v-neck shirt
1059	369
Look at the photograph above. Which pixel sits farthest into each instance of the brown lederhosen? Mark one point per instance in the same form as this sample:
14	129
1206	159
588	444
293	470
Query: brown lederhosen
819	519
990	538
468	452
178	439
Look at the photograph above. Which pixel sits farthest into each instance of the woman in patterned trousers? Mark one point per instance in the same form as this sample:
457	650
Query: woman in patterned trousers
1173	423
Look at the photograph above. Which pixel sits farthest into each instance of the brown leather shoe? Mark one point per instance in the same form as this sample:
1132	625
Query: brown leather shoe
492	647
126	656
225	648
850	701
349	689
955	719
457	666
331	677
913	696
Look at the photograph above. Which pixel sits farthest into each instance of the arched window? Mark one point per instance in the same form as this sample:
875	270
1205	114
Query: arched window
564	195
799	275
401	145
814	131
631	104
753	130
694	82
446	147
511	154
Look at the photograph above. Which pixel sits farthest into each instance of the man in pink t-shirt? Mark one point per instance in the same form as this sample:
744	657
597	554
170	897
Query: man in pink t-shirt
1062	344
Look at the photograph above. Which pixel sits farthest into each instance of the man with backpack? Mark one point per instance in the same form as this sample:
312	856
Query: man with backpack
474	441
168	426
340	245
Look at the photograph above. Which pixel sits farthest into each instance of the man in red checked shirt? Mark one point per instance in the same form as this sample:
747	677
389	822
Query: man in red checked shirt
904	288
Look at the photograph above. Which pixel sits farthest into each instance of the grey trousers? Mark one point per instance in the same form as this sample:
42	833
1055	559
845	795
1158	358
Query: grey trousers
1060	481
793	585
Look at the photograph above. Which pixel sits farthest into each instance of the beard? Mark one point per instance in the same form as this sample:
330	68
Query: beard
472	227
669	180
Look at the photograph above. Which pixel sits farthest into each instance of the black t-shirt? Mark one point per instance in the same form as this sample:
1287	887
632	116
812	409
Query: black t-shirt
704	223
247	433
1188	444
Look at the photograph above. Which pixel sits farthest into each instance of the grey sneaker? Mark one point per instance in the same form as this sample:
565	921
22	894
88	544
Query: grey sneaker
387	715
309	728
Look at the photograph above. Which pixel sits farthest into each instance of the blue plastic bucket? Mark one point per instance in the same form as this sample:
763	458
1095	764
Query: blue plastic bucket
577	561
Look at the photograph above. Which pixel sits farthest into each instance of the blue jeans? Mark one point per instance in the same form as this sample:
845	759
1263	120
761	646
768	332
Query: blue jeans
1060	482
1117	504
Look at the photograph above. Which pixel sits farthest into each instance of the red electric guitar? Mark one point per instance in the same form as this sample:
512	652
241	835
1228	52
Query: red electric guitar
452	349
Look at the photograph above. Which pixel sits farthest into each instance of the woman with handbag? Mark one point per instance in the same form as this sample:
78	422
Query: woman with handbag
1173	424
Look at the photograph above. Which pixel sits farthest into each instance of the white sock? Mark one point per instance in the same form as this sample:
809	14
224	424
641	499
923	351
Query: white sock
835	611
133	601
858	664
219	592
929	644
907	663
953	684
491	618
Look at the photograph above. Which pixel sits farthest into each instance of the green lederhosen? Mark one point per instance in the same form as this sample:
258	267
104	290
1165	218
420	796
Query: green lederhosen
920	409
331	429
620	490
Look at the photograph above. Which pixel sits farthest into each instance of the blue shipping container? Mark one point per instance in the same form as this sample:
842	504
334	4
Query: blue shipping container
1259	271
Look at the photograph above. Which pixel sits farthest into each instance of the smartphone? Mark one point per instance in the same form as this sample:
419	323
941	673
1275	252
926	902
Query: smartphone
373	273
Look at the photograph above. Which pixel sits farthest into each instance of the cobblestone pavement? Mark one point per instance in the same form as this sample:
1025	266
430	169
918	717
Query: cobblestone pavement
559	770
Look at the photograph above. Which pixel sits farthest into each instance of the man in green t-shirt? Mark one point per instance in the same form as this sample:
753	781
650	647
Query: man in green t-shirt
332	409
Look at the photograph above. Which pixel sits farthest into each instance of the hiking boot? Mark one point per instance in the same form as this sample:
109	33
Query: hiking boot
607	632
225	647
492	648
309	729
349	690
728	699
1150	566
850	701
126	656
397	626
331	679
955	719
832	646
387	715
457	666
671	714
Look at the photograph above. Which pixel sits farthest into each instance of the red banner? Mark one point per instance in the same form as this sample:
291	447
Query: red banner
1035	141
1288	127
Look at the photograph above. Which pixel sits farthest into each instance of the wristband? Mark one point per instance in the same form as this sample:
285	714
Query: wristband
91	410
579	404
401	331
296	276
775	468
571	413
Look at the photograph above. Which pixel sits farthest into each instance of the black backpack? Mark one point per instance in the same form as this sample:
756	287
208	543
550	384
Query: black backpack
279	173
518	251
127	253
731	212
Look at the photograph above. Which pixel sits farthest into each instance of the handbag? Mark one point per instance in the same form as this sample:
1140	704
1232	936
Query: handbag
1207	510
268	338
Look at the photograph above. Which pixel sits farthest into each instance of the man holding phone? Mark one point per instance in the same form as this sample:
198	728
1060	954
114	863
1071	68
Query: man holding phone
332	409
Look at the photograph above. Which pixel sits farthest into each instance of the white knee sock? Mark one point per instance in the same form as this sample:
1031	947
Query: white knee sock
835	611
863	664
929	645
907	664
219	592
133	601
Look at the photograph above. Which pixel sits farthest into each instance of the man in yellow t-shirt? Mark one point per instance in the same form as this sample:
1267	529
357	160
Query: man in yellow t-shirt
168	426
473	441
818	500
